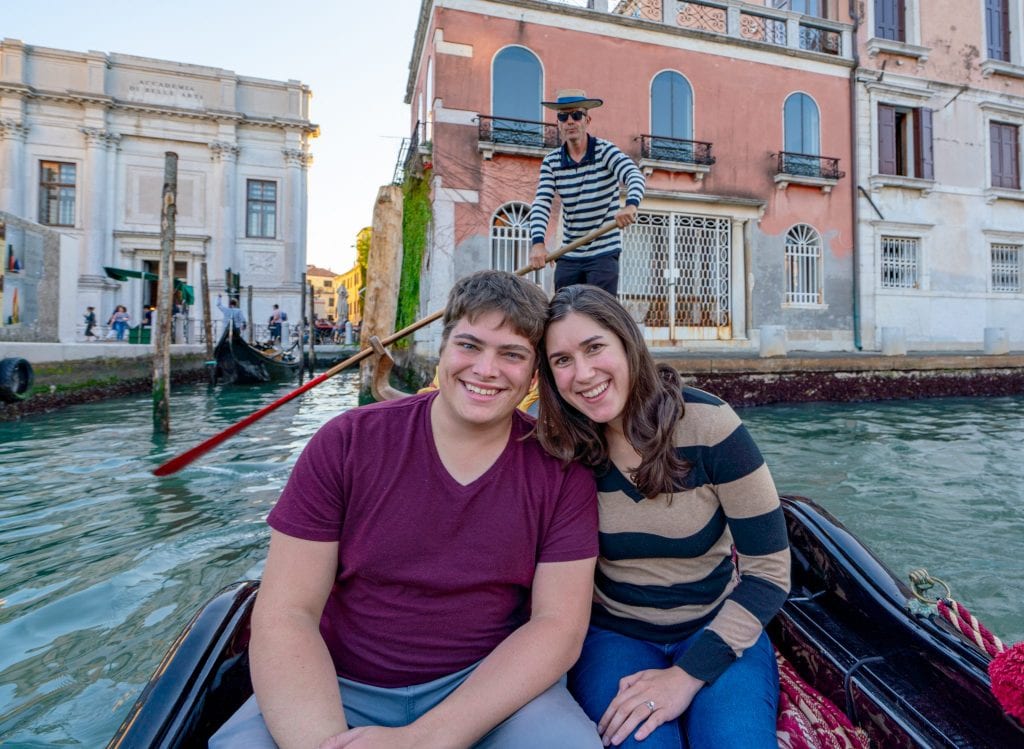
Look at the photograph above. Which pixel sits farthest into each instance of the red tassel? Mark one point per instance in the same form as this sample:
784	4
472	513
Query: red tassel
1007	674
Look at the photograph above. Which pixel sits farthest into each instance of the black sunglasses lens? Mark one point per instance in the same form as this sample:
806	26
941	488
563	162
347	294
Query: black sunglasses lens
576	116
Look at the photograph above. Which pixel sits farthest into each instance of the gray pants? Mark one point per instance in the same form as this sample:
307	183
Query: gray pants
552	720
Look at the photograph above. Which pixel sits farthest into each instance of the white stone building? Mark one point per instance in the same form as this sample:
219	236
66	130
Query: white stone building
940	211
83	137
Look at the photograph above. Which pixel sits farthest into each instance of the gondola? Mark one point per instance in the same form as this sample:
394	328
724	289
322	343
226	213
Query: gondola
240	363
900	674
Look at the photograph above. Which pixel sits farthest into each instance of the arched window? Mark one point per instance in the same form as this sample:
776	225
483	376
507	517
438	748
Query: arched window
671	117
517	90
510	238
802	139
804	271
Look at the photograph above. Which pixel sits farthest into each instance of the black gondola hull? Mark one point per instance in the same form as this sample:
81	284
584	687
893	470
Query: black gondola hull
904	678
239	363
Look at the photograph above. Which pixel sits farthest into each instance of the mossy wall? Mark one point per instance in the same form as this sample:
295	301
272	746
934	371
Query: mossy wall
415	224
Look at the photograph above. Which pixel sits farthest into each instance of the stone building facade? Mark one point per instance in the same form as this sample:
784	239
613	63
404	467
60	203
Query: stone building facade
846	173
940	210
738	113
83	138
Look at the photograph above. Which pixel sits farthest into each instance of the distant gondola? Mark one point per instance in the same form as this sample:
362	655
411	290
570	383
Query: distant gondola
239	363
848	627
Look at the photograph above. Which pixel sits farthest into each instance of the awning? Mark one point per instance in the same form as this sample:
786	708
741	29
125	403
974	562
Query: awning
188	295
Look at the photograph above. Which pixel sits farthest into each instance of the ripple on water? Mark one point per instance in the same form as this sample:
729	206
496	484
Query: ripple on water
936	484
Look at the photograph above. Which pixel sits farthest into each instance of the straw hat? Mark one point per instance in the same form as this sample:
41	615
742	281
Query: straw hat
572	98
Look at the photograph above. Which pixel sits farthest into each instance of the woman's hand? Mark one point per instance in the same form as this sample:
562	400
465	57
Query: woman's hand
668	690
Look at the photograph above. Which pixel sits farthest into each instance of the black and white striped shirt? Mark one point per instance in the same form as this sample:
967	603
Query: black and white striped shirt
589	190
666	568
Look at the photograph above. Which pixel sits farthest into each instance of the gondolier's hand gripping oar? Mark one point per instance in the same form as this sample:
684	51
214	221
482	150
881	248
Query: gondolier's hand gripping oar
177	463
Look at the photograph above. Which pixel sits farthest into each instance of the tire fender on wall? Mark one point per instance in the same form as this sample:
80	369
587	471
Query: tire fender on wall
16	378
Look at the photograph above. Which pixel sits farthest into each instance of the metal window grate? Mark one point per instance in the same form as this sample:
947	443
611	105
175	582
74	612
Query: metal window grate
901	263
804	266
510	239
1006	267
675	273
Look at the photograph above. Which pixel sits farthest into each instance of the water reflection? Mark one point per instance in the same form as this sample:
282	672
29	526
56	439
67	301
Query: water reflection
101	563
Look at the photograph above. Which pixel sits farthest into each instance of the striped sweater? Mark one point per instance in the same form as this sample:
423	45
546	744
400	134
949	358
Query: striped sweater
590	195
666	568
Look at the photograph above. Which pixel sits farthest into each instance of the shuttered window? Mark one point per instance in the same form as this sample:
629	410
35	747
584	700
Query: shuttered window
1003	147
997	29
905	142
890	19
923	160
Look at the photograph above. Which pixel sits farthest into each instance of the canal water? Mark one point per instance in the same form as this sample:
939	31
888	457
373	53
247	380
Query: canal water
101	563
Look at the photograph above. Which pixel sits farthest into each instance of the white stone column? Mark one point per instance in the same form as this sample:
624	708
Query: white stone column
115	199
732	21
12	168
793	32
737	280
224	247
93	196
293	225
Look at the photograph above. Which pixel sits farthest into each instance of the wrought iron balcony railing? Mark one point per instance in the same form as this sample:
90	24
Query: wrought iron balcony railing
808	165
509	131
415	143
676	149
746	21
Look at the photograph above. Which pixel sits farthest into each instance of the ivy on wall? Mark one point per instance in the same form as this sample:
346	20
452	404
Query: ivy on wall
415	221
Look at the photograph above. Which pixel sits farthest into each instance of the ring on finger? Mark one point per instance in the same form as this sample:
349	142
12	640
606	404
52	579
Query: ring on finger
651	706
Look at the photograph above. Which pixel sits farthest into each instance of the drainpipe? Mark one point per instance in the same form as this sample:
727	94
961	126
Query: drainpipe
854	198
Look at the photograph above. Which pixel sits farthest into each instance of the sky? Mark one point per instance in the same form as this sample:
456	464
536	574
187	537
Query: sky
353	54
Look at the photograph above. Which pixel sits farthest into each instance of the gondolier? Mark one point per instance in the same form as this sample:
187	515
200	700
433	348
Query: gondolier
586	173
232	313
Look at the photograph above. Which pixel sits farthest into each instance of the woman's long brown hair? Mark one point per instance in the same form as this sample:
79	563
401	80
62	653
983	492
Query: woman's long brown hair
653	407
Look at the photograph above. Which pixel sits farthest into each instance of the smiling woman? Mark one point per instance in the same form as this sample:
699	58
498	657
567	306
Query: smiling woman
694	552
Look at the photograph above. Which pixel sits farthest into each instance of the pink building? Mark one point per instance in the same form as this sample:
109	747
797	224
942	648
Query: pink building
738	113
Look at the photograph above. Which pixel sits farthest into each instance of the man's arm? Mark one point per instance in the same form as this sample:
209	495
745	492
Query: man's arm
529	661
540	213
292	672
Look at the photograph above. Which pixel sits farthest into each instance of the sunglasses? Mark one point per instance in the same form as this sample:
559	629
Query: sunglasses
578	115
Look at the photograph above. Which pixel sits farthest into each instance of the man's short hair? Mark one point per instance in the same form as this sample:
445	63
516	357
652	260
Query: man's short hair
522	303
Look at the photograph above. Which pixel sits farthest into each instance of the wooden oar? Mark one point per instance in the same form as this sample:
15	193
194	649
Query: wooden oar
177	463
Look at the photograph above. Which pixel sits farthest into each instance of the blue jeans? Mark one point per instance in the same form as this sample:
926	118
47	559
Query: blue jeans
738	710
551	720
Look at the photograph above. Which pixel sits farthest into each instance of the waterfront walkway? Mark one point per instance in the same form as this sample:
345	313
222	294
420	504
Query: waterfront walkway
739	377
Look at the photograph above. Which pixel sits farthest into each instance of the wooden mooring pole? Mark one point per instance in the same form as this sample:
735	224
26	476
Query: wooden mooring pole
302	330
165	300
207	312
248	314
312	329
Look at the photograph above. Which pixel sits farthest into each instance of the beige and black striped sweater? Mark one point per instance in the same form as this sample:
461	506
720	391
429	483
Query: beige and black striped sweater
666	567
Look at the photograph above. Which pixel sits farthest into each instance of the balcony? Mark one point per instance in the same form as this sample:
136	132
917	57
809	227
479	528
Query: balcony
675	155
740	21
807	169
518	137
414	154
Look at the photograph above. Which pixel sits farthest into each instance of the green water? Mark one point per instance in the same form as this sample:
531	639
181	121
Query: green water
101	563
